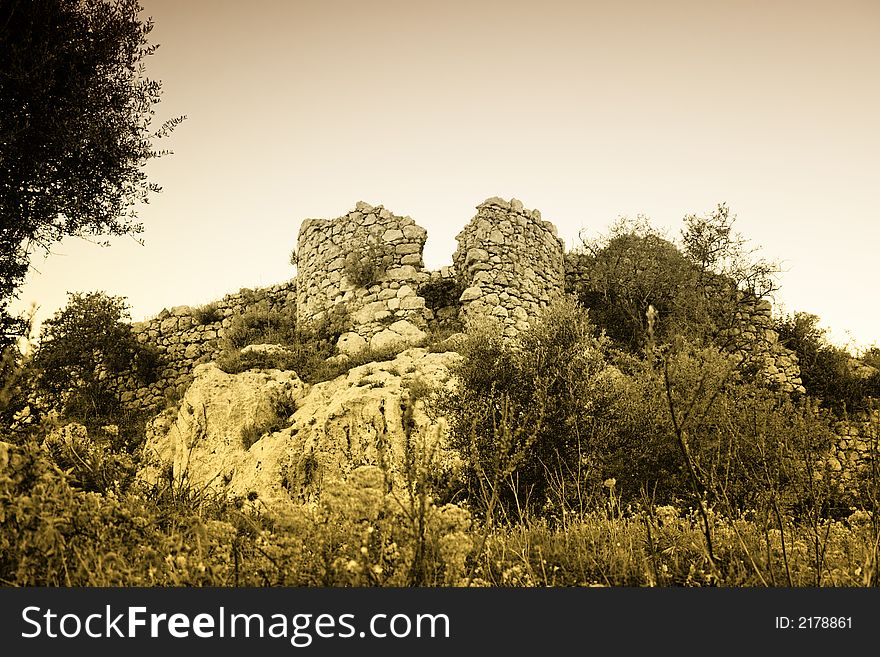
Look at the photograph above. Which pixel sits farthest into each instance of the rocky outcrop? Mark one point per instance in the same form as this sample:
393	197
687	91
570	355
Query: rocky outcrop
266	433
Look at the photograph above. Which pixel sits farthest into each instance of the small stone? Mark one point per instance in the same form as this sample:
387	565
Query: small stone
403	272
475	255
392	235
470	294
413	232
412	303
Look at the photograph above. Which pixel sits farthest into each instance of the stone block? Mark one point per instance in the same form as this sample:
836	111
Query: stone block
351	343
412	303
392	235
402	273
471	294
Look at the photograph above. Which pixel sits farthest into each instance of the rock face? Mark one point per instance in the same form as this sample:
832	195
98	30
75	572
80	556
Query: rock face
265	432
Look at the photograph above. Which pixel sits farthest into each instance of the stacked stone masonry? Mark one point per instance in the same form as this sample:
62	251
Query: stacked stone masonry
510	264
858	443
185	337
364	269
753	338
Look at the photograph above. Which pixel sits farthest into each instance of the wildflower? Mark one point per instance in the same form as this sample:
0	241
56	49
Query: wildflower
667	514
610	483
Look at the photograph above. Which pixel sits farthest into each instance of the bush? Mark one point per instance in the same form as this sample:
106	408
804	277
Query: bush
733	443
208	314
82	349
261	325
696	289
635	267
365	264
525	415
827	371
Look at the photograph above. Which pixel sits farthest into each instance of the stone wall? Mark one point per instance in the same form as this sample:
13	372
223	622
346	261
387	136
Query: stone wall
858	442
364	272
185	337
510	263
334	257
752	336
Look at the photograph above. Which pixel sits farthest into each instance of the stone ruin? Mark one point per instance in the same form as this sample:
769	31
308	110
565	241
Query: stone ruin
380	311
363	273
511	264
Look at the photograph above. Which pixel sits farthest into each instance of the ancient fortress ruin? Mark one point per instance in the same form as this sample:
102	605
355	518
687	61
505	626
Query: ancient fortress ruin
363	275
509	265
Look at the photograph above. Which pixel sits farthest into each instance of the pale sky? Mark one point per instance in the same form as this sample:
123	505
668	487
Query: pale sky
584	110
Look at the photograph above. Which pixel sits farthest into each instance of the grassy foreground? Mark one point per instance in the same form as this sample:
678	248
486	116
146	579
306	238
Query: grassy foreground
53	534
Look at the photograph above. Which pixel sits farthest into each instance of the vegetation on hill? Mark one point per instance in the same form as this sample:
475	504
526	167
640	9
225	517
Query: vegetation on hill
596	448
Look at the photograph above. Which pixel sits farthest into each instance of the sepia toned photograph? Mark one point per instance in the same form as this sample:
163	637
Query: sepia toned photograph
464	294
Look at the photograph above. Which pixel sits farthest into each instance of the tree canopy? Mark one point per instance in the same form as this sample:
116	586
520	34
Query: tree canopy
76	113
694	288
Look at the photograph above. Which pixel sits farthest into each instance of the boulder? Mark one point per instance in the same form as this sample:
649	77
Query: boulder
367	416
351	343
400	334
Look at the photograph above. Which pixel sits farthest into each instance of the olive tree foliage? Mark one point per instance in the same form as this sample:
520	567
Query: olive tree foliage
76	128
641	285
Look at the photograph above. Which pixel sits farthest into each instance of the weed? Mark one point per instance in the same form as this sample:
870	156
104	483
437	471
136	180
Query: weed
208	314
367	263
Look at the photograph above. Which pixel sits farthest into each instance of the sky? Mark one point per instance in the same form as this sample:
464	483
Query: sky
587	111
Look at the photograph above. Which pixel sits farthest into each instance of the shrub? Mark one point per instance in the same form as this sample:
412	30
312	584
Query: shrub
82	348
732	442
696	289
259	324
525	414
365	264
208	314
826	370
